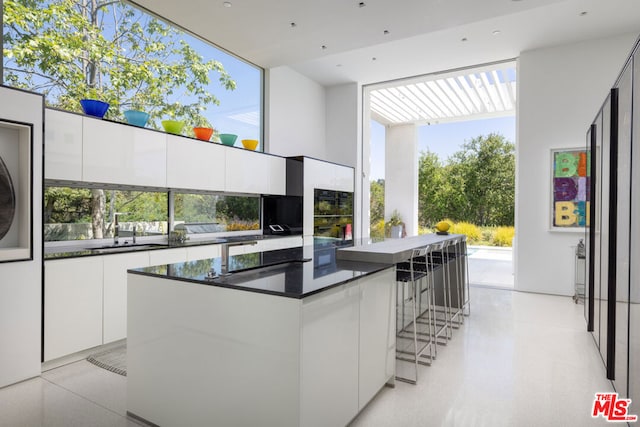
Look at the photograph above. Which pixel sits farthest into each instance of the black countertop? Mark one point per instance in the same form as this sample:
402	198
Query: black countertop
293	273
92	248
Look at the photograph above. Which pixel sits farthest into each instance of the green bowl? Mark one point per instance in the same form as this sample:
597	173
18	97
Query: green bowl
173	126
228	138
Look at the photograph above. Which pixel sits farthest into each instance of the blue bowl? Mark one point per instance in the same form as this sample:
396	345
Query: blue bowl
93	107
136	118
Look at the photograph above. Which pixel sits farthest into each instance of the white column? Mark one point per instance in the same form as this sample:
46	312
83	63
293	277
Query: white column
401	175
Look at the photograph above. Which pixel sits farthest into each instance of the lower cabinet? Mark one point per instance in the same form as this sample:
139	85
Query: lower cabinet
377	334
115	292
72	305
258	359
329	376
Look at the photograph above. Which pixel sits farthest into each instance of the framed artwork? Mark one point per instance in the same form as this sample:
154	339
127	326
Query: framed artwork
570	195
16	187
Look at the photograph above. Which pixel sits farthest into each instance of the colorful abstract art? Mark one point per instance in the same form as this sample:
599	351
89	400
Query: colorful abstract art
571	184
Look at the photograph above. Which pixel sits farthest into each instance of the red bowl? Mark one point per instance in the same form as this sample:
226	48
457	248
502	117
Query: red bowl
203	133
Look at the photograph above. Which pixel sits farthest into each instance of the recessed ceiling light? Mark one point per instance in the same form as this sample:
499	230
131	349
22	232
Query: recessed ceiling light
496	32
227	4
583	13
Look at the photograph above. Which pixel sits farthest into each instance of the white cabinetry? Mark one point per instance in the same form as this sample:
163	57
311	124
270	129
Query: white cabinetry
250	172
72	305
277	175
203	252
329	382
377	334
327	176
63	146
85	149
274	244
246	172
114	153
195	165
167	256
115	292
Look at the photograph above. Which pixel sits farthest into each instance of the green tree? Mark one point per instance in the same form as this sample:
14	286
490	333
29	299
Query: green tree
74	49
376	201
485	172
430	186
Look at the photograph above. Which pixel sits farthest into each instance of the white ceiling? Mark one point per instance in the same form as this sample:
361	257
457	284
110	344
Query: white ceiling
424	36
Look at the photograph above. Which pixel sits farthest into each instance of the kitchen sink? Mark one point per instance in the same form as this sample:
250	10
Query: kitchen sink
126	247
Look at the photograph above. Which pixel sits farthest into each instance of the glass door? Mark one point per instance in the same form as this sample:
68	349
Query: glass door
634	243
620	304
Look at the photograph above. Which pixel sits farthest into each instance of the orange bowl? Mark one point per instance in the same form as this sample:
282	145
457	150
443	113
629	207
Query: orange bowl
250	144
203	133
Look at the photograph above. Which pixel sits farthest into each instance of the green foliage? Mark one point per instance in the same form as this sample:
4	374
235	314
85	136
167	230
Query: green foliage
238	208
476	185
377	229
376	201
503	236
69	50
470	230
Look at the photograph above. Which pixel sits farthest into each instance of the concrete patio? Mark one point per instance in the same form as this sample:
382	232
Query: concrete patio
491	266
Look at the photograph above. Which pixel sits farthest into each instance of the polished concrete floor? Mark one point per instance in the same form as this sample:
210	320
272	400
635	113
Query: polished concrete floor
519	360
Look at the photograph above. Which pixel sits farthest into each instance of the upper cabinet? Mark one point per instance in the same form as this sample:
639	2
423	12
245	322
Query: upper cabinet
327	176
63	145
115	153
195	165
251	172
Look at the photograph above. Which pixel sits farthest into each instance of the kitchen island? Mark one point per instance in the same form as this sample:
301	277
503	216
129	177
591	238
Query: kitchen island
287	339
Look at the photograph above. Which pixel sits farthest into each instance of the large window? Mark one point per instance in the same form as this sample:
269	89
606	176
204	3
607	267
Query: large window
89	213
74	49
217	213
82	213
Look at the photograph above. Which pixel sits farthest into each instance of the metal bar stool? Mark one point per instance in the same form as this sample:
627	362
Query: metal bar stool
455	310
408	277
464	266
440	289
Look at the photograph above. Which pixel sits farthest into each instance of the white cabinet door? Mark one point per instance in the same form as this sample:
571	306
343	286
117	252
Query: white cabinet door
277	175
343	177
329	382
115	292
194	164
62	145
246	172
167	256
115	153
274	244
203	252
72	306
377	333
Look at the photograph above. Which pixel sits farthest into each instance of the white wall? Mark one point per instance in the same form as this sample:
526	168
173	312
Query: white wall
560	90
294	114
21	281
343	110
401	175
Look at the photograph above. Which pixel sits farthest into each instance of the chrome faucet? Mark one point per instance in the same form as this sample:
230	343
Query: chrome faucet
116	226
224	263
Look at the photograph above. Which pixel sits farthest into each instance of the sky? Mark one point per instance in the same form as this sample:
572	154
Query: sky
442	139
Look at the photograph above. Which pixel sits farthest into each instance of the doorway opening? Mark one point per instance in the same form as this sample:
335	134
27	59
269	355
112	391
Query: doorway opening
442	147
